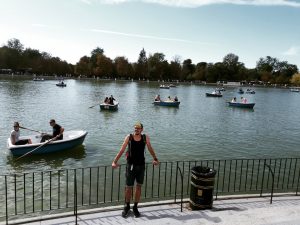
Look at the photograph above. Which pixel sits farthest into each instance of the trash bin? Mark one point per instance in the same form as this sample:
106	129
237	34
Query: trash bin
202	186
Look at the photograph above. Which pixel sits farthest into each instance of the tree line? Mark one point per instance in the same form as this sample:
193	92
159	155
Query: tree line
13	56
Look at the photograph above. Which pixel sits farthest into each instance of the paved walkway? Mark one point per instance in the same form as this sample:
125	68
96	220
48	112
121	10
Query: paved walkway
254	211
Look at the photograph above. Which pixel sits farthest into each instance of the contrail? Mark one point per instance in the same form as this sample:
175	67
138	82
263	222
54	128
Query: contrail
149	37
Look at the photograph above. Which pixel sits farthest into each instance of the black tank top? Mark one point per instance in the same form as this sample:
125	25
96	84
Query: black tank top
136	150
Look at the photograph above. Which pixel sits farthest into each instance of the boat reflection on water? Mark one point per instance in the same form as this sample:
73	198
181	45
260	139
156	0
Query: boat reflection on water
47	161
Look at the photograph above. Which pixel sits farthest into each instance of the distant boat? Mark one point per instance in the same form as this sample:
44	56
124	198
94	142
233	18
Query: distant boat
61	84
232	84
71	140
214	94
38	79
166	103
105	106
294	90
241	105
220	89
250	91
164	86
241	91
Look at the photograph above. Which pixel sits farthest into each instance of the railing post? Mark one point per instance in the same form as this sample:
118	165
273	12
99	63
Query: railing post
75	197
181	200
272	173
6	207
176	182
263	177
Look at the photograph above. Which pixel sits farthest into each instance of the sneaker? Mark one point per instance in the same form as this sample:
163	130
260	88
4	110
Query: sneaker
125	212
136	212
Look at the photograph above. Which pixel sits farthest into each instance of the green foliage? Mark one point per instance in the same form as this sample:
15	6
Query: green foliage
154	67
295	80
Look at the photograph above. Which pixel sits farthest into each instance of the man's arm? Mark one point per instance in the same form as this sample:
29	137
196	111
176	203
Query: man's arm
120	153
13	138
151	150
61	131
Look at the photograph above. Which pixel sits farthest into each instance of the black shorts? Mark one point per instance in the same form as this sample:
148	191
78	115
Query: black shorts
134	173
22	142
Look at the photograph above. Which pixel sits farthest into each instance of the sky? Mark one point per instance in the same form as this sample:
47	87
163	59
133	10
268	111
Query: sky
200	30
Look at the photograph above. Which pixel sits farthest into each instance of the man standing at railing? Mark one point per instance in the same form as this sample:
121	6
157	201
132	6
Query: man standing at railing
135	168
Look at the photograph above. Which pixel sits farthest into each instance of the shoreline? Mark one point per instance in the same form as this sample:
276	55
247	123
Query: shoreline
203	83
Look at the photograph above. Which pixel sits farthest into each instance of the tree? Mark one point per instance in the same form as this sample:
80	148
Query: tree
175	68
122	66
214	71
278	72
233	69
141	68
15	44
94	54
188	68
83	67
200	71
104	66
295	80
158	66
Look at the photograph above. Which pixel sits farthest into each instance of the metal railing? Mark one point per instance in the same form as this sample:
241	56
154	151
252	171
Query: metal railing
30	194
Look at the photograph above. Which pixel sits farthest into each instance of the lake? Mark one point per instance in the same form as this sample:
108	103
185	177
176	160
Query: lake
200	128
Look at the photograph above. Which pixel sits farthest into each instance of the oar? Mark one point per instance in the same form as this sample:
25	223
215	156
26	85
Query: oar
31	130
47	142
93	106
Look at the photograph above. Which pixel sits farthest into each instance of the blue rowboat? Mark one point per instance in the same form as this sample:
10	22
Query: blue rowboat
61	84
105	106
241	91
166	103
71	140
213	94
164	86
241	105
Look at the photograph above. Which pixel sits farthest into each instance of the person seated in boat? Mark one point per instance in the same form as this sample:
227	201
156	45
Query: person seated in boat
106	101
111	100
175	99
15	136
169	98
157	98
234	99
243	100
57	133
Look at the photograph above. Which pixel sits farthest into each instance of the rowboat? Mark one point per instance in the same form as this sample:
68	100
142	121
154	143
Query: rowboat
164	86
71	139
250	91
166	103
241	91
294	90
38	79
214	94
61	84
241	105
106	106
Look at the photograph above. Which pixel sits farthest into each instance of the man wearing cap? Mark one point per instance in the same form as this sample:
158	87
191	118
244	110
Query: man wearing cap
57	132
135	167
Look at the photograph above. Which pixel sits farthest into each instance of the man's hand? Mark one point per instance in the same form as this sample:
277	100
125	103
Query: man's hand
114	165
155	162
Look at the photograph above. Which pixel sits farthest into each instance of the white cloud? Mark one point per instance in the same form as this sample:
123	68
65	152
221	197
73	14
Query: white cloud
148	37
292	51
38	25
86	2
199	3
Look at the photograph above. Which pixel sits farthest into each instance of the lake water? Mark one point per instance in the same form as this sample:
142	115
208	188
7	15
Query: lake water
200	128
